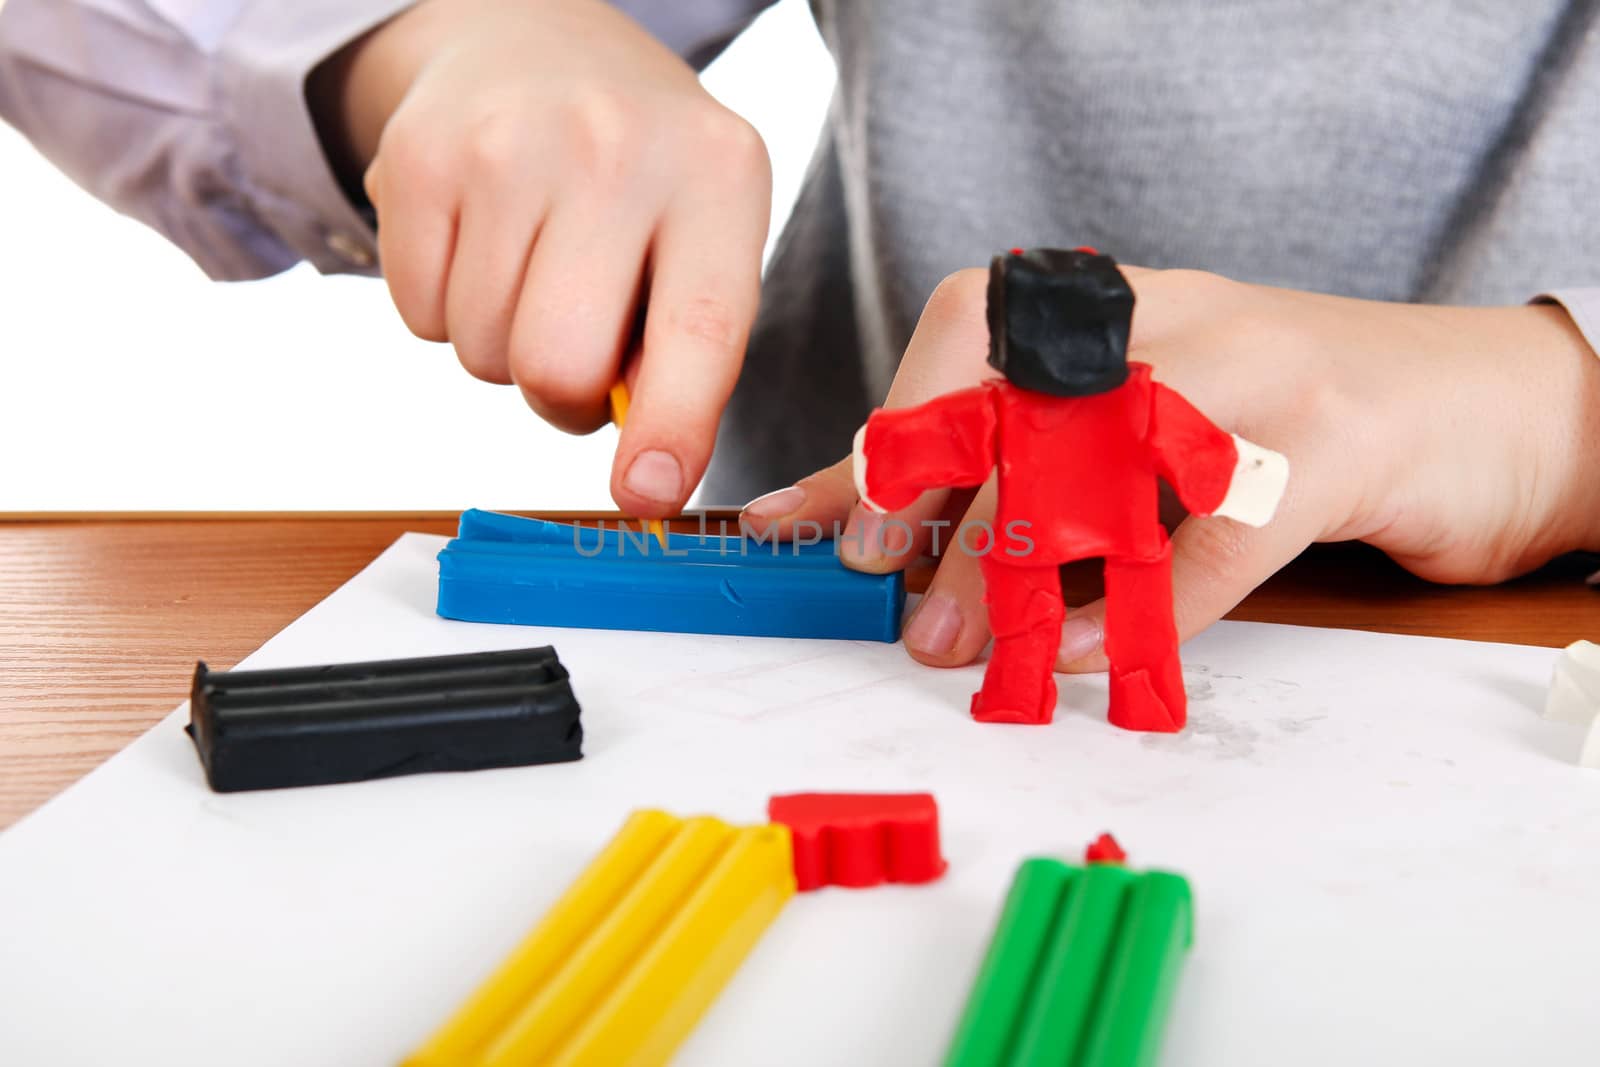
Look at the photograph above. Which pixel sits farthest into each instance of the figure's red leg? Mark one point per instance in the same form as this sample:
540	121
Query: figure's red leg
1142	645
1025	613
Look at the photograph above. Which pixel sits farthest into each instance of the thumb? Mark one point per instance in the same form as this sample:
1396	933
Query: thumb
1216	562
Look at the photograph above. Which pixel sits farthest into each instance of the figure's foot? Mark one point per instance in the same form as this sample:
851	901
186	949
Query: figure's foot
989	706
1136	705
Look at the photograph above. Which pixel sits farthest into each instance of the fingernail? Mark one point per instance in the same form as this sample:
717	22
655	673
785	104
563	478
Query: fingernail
1080	637
655	475
935	626
863	537
775	505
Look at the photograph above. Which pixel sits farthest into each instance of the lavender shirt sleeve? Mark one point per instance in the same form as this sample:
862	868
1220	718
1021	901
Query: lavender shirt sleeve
695	29
191	115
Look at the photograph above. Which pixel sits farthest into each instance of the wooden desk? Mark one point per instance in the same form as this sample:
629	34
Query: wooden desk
101	620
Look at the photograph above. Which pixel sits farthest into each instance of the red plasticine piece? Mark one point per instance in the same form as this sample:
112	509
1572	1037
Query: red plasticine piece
861	839
1104	849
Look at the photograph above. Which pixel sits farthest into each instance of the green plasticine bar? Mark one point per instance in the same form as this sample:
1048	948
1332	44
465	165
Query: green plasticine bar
1081	969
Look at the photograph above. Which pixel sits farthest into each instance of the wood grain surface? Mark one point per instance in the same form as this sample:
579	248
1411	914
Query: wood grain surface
102	619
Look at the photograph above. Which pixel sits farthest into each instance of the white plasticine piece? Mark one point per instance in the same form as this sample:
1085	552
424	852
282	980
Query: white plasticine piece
1259	478
1590	756
858	466
1575	688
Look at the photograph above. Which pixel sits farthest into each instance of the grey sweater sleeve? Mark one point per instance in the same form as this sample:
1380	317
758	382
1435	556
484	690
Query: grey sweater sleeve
1584	307
191	115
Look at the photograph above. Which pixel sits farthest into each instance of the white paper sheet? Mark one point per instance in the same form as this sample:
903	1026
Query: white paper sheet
1394	858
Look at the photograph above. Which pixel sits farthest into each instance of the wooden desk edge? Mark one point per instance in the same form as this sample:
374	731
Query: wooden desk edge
101	607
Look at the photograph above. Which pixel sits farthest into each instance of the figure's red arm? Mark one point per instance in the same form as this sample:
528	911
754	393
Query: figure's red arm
1195	457
949	441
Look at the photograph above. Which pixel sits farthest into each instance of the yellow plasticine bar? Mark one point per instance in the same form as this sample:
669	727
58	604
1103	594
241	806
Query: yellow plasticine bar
468	1033
624	965
651	1011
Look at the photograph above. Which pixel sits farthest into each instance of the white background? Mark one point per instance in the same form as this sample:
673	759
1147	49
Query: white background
130	382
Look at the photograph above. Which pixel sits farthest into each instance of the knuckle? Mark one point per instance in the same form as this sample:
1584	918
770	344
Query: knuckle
423	323
1317	408
416	302
1290	389
493	141
734	143
483	359
1223	546
1197	283
602	128
371	181
410	156
709	321
548	375
1199	296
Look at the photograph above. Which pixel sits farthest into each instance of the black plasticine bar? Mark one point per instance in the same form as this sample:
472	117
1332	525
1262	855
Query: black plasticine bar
354	721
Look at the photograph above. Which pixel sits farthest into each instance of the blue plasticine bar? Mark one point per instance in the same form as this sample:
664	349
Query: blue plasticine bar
506	569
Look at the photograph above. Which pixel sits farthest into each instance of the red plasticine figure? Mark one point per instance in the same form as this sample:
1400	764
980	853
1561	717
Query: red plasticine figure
1078	436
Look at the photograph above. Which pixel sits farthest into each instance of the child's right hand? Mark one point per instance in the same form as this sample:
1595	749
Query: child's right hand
540	168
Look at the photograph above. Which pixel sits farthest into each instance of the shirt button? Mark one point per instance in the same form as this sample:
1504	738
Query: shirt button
350	249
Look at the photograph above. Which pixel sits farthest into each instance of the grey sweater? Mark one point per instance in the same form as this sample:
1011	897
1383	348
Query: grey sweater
1431	150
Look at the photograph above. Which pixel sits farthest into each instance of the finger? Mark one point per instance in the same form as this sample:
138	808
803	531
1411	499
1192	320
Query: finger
1216	563
704	289
416	205
948	351
821	501
494	243
950	627
575	311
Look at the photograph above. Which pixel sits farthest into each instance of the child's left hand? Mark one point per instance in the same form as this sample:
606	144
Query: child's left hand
1464	442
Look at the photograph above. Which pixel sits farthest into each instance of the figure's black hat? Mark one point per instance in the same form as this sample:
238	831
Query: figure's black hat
1058	320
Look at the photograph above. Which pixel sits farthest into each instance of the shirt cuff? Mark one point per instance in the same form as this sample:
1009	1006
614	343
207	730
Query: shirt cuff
698	30
1583	305
285	176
